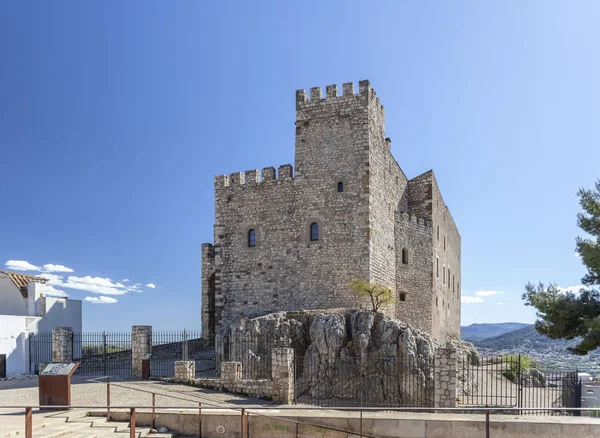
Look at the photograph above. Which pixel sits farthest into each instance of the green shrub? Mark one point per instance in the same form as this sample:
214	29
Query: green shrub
513	363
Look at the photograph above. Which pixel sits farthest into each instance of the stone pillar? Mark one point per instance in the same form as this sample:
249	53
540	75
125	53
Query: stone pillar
231	372
445	378
62	345
282	373
141	345
185	370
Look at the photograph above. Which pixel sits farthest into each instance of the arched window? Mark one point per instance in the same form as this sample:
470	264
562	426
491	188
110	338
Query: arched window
340	187
405	256
314	231
252	237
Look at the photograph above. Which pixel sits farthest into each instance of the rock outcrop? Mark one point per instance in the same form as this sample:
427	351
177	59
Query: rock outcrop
340	353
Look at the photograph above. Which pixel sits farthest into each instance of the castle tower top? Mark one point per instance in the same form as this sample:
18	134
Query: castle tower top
331	94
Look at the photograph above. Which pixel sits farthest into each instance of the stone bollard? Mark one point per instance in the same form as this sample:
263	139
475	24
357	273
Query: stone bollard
185	370
231	372
141	345
445	378
282	373
62	345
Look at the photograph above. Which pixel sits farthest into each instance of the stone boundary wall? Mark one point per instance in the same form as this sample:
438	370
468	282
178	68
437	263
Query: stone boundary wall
279	388
445	378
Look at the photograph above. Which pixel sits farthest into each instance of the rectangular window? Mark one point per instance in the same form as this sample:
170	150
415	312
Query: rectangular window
448	278
443	275
453	284
437	267
444	243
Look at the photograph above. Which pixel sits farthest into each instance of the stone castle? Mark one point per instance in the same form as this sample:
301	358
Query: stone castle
290	240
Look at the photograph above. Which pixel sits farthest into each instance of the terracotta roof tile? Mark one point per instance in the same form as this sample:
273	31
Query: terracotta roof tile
22	280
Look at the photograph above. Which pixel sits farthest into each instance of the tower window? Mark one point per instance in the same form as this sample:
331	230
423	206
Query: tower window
252	237
457	290
438	233
405	256
402	296
340	187
443	275
448	278
437	267
314	231
444	243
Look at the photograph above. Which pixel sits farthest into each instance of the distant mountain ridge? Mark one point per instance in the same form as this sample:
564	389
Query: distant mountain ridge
476	332
527	337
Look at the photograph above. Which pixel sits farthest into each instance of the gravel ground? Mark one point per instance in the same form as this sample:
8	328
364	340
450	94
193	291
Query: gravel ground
86	390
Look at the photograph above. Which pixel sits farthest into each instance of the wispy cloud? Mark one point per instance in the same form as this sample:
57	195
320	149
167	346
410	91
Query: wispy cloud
501	304
151	285
101	300
487	293
21	265
125	280
55	268
470	300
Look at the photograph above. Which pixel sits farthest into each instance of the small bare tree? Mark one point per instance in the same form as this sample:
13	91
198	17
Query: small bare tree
377	293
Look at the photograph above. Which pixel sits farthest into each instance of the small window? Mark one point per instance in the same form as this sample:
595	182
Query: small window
252	237
436	301
444	243
405	256
437	267
402	297
340	187
457	290
314	231
438	233
448	278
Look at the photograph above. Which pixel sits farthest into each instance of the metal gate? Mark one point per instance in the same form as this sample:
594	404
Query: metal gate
514	381
171	346
103	353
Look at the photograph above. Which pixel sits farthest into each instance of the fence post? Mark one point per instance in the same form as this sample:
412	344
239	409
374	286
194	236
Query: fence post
243	425
104	351
62	345
132	433
153	411
200	419
184	346
520	384
108	398
28	423
141	344
282	373
445	378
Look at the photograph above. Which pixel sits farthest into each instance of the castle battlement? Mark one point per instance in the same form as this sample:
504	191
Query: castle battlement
331	94
408	217
285	172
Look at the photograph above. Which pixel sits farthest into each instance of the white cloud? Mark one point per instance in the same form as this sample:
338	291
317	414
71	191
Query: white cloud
573	289
101	300
501	304
125	280
55	268
487	293
576	254
470	300
50	291
95	285
151	285
21	265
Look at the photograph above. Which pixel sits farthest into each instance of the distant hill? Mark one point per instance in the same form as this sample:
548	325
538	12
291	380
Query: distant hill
475	332
525	338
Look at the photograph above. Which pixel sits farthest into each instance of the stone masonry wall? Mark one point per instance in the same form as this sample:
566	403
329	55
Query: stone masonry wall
414	281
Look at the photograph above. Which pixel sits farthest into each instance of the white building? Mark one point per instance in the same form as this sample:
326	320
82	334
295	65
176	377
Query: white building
24	309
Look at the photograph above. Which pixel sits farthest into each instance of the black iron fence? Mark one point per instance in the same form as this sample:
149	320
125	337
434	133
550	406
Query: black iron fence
40	350
515	381
171	346
102	353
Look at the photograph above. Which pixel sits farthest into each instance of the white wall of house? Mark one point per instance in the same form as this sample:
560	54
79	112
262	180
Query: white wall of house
14	342
11	300
15	329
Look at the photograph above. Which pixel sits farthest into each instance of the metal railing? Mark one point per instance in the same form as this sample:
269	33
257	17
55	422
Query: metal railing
246	413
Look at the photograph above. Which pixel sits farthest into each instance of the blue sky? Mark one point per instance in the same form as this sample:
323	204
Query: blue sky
115	116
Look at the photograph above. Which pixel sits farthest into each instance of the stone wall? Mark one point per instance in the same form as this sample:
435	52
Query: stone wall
445	378
280	387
